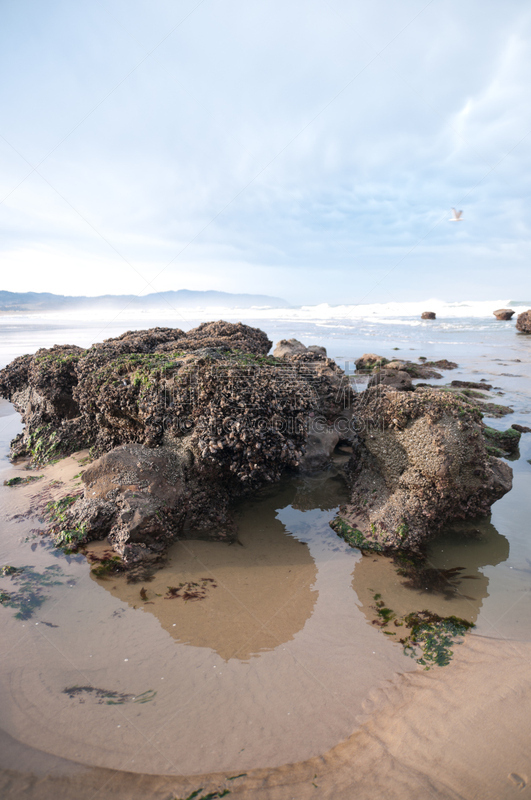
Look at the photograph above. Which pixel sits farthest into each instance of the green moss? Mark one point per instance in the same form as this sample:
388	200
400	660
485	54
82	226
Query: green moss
43	445
55	509
18	481
376	365
70	539
507	441
353	536
402	530
66	538
57	358
246	359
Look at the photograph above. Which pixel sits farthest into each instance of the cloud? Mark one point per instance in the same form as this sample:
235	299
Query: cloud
245	144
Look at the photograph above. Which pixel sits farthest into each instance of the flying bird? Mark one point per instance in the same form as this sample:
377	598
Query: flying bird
457	216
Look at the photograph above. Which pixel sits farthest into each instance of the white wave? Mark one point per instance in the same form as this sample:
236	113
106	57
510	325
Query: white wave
384	313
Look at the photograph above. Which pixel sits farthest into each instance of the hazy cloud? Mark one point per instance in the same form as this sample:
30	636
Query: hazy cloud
307	149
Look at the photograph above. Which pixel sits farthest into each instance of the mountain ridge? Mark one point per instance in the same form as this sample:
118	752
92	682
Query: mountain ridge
45	301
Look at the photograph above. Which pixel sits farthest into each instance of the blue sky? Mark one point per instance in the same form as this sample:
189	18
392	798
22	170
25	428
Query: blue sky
310	150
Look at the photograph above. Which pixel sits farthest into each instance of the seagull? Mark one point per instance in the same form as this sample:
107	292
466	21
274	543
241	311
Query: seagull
457	216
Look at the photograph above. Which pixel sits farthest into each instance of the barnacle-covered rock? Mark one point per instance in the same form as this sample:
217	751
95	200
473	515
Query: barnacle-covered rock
422	461
523	322
209	405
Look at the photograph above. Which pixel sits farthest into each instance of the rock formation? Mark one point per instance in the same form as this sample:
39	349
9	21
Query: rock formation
428	315
210	404
183	423
503	313
394	378
523	322
422	459
370	362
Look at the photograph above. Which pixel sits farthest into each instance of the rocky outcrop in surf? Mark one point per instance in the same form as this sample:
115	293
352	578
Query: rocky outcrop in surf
503	313
523	322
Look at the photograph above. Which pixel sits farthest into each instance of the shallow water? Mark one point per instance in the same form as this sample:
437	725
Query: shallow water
275	663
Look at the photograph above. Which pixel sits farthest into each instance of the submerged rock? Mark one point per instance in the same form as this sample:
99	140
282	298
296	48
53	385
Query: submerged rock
443	363
422	461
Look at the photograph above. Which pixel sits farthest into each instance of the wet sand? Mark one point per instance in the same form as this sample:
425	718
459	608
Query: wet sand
458	732
461	732
270	667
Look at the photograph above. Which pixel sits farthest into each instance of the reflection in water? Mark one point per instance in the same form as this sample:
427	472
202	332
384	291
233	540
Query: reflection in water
450	582
251	596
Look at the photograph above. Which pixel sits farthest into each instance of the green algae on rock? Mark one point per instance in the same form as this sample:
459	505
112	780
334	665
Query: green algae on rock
19	481
500	443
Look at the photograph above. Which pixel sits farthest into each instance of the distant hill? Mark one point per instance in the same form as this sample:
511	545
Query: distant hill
28	302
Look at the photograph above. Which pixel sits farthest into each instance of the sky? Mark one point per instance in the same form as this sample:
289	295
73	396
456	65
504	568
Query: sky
308	150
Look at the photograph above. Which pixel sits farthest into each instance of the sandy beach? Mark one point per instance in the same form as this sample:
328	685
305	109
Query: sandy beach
461	732
278	683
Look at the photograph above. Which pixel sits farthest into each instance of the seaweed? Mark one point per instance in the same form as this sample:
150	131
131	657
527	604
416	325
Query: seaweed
18	481
432	637
108	563
429	579
106	696
9	570
191	590
385	615
209	796
56	509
